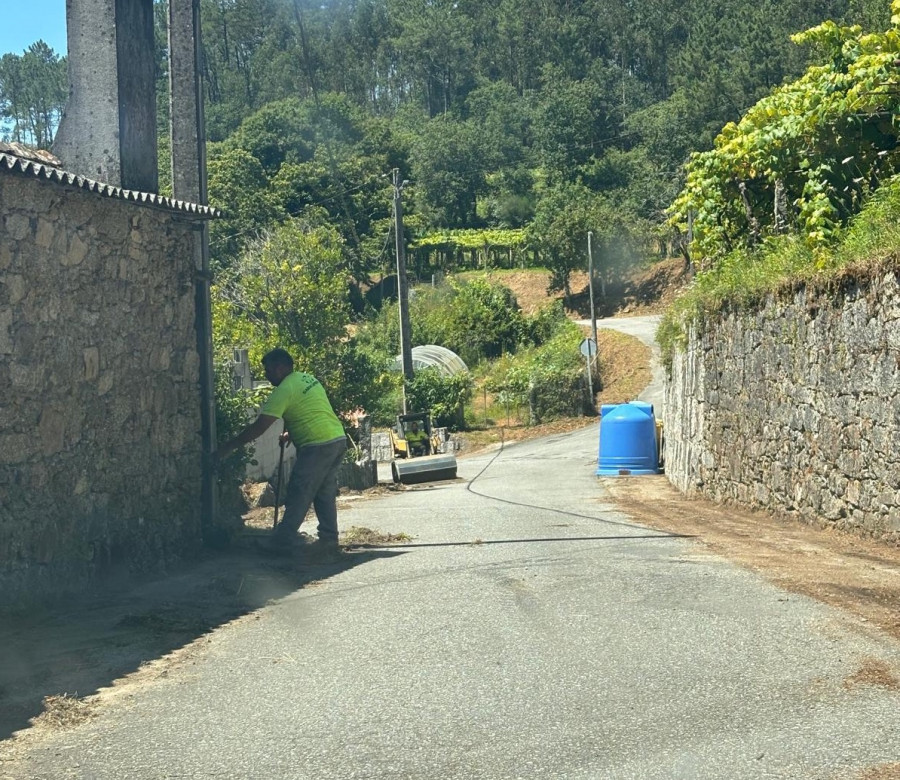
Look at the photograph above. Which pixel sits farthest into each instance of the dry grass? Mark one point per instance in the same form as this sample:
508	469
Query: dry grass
65	711
624	367
529	285
357	536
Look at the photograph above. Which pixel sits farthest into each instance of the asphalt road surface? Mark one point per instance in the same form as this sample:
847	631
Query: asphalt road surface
528	631
642	328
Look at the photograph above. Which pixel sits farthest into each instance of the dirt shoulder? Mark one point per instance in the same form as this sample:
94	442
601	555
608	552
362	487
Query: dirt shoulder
859	576
845	571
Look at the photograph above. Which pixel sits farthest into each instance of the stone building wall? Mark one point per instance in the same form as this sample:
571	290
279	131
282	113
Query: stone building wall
795	407
100	448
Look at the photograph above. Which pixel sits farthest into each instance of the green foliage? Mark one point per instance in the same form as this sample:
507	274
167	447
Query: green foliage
443	396
481	246
560	229
565	216
483	321
572	120
234	409
238	185
290	290
874	233
445	158
827	139
745	277
33	90
544	324
441	38
549	378
478	320
472	239
295	154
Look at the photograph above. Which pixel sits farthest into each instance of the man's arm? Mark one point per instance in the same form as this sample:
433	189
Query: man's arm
252	431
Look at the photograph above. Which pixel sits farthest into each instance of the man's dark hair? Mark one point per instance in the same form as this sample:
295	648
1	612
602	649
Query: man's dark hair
278	357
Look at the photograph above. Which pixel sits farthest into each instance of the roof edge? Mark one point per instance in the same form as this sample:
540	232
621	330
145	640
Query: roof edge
10	163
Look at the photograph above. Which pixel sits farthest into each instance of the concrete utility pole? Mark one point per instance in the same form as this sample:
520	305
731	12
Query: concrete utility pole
108	131
402	286
591	286
189	183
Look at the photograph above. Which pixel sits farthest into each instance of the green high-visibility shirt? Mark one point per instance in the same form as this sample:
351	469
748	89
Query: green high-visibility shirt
300	400
416	437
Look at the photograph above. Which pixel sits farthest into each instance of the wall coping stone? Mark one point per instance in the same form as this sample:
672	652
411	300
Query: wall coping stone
11	164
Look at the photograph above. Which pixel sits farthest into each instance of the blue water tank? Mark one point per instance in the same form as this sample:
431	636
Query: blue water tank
627	440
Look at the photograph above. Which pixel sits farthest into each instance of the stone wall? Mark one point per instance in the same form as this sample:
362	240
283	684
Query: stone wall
795	407
100	446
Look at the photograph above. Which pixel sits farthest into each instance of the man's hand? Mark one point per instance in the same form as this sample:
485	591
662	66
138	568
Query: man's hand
284	439
250	432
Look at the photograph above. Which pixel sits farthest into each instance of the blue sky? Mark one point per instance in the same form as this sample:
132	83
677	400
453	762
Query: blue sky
22	22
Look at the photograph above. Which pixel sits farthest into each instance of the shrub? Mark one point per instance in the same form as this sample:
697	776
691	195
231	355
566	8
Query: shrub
548	378
443	396
544	323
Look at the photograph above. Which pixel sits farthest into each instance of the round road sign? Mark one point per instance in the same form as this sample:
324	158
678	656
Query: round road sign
588	347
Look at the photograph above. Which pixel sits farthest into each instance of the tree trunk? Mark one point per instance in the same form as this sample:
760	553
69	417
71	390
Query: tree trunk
752	221
781	207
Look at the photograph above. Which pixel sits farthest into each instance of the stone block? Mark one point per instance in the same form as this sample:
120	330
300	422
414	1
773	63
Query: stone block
16	447
46	233
761	494
52	431
105	383
887	498
833	508
16	288
17	226
191	366
51	308
852	493
77	251
6	336
91	363
83	485
161	358
6	255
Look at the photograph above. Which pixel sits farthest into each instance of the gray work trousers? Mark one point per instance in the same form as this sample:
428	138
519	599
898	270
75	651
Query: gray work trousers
313	483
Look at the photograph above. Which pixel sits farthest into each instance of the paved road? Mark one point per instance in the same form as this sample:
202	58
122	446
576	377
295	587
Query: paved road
530	631
644	329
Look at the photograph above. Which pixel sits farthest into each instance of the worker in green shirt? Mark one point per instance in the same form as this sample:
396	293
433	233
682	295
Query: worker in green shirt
416	440
311	424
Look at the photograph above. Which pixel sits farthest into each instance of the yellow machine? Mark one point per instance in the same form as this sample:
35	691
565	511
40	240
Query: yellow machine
417	457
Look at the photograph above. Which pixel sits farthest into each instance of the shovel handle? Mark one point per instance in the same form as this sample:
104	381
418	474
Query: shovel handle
281	444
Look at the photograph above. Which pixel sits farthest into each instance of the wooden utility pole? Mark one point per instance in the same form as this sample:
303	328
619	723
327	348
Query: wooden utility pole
402	287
